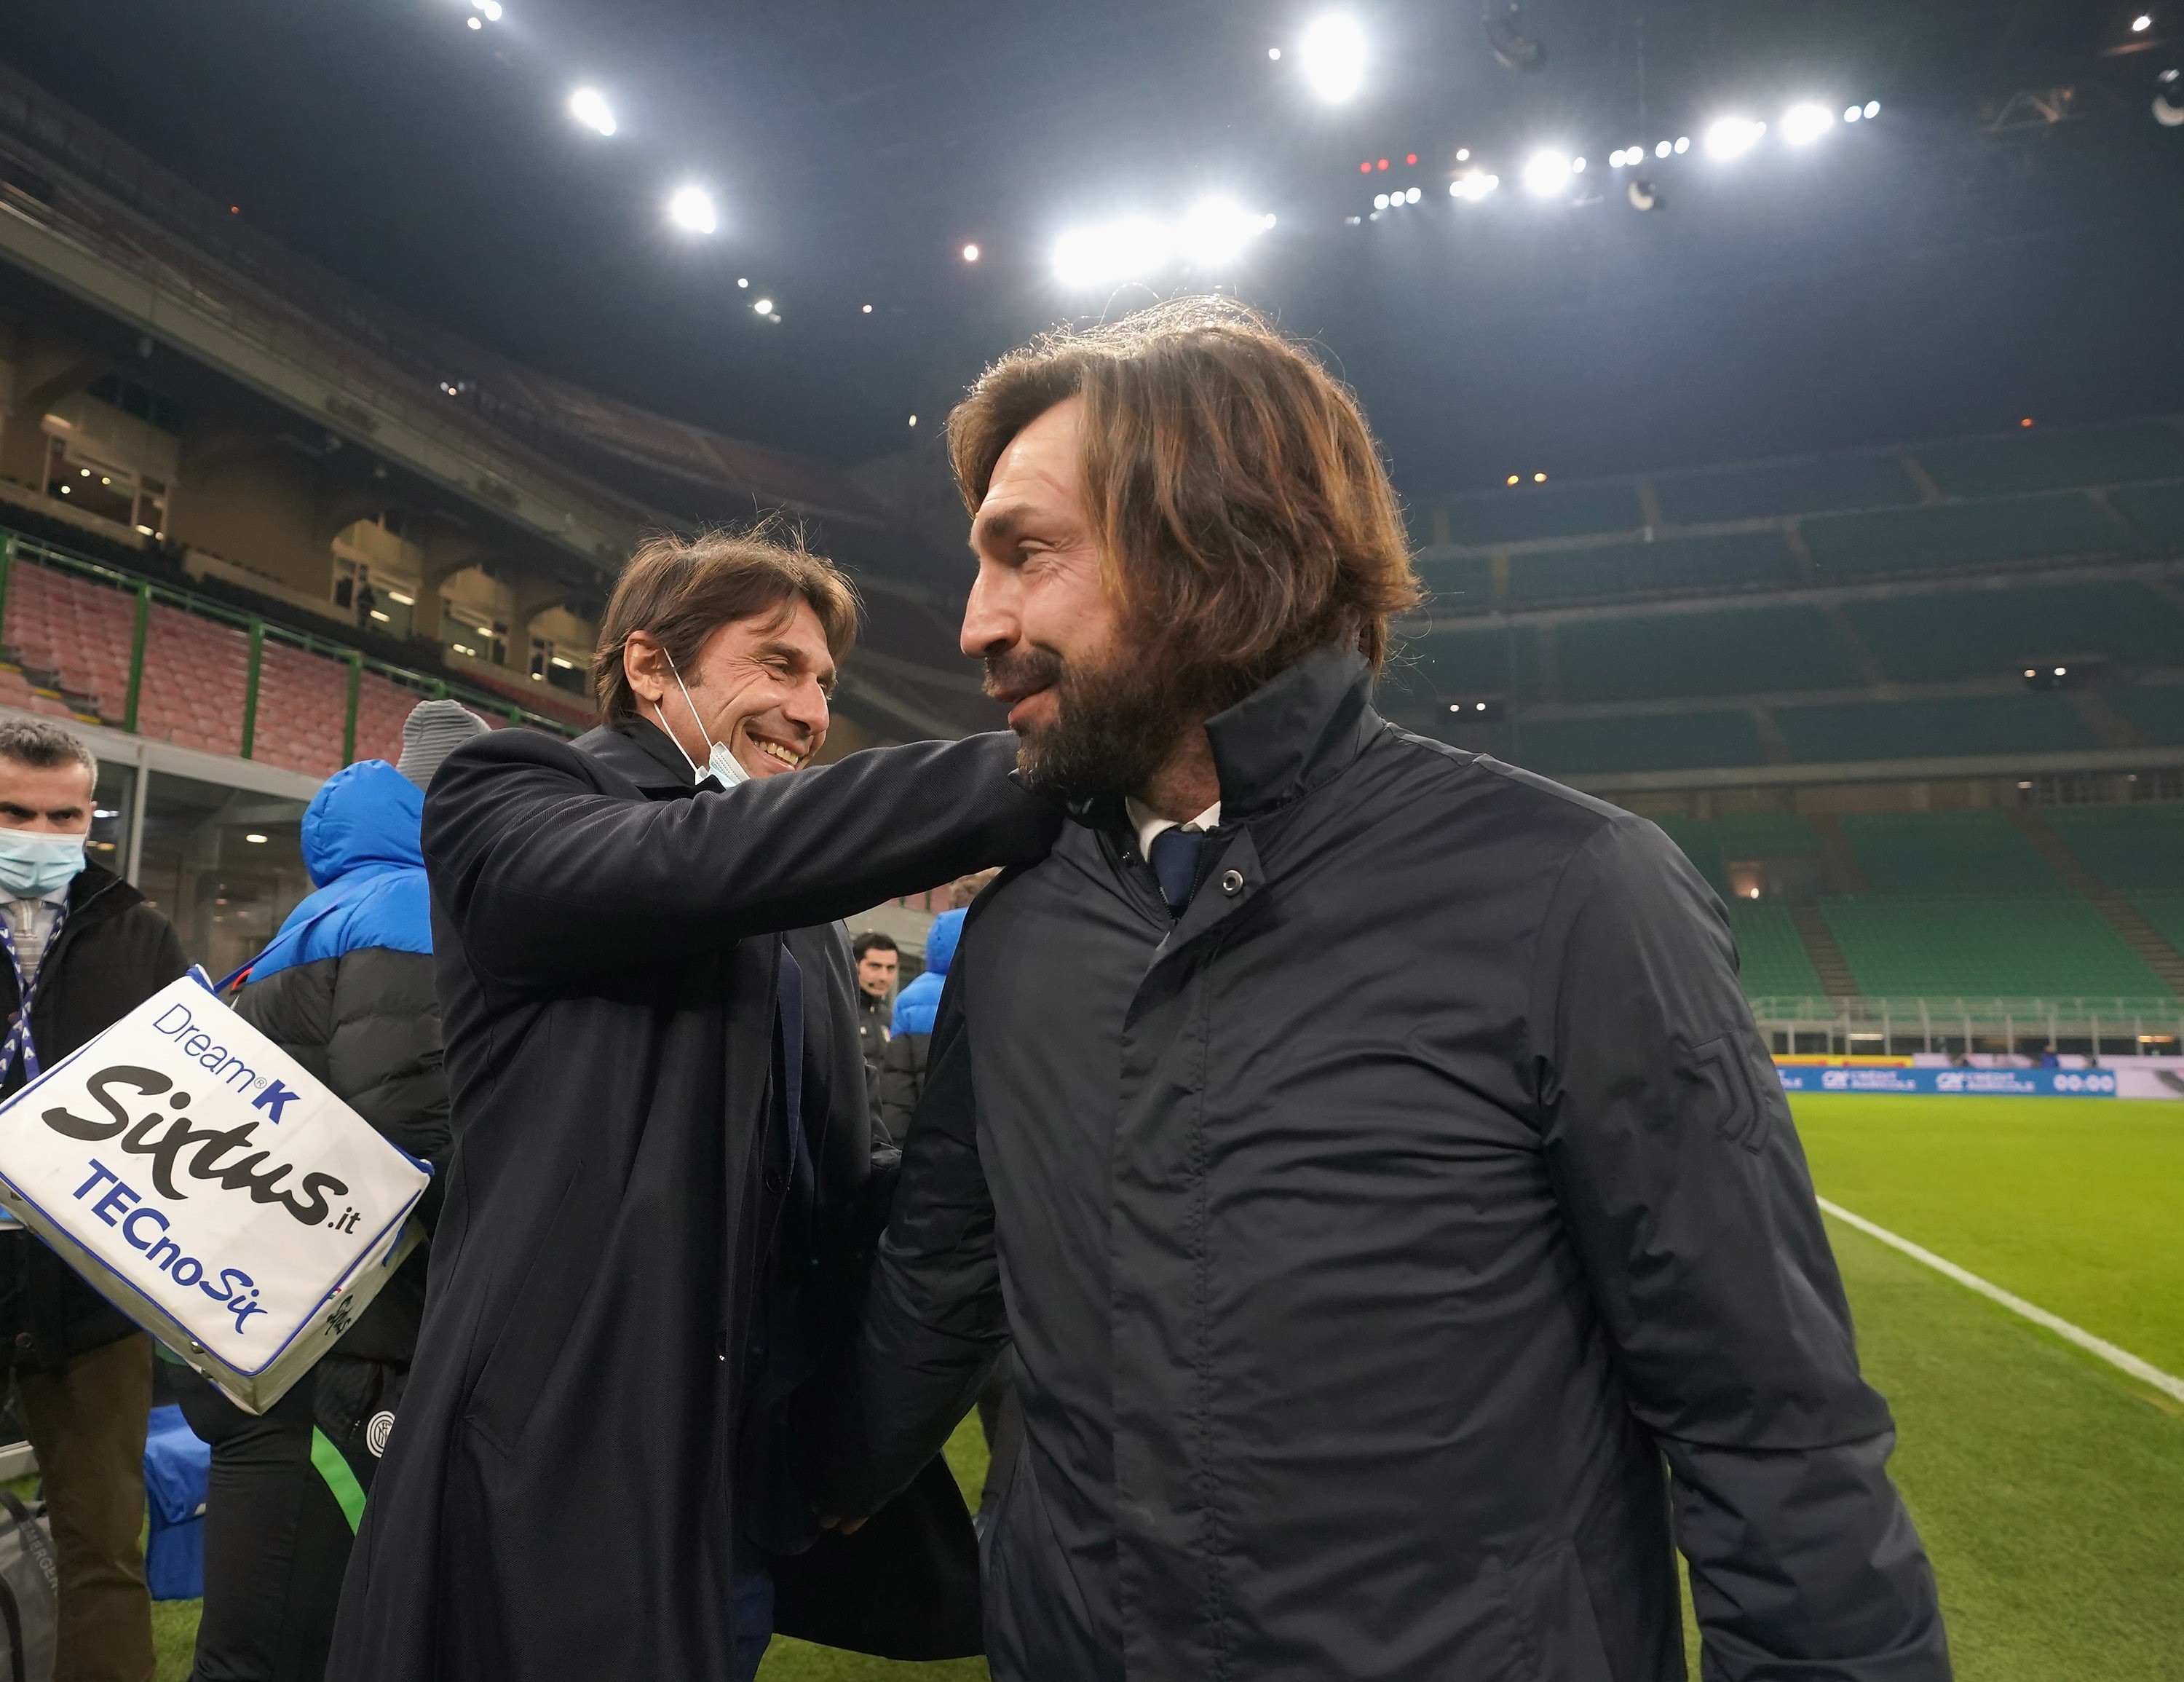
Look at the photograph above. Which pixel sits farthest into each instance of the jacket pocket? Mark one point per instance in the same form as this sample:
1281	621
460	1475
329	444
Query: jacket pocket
511	1391
1553	1607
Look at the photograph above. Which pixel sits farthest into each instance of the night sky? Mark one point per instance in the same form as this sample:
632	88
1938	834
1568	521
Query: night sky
1914	277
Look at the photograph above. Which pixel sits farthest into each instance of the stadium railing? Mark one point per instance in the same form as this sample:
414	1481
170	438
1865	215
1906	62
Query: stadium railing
1888	1026
17	549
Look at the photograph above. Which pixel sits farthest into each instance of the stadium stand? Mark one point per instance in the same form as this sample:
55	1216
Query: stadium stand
2158	510
1529	513
2033	946
1942	637
2054	459
1818	485
1772	954
1926	854
1726	652
2137	848
2156	710
1934	729
1683	741
1730	560
1952	537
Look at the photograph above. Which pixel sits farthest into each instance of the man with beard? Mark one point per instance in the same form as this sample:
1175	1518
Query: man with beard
1397	1228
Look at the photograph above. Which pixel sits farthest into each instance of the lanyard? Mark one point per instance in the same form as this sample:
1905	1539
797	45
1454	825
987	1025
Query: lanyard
19	1042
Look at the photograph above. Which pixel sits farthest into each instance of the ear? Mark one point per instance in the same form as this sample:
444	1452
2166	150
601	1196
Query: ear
645	663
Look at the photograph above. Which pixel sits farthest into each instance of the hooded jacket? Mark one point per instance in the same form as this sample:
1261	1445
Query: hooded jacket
902	1065
112	952
1389	1249
346	988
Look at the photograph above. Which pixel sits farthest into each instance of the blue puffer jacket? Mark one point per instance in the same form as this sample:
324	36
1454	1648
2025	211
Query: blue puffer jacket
915	1004
360	846
346	988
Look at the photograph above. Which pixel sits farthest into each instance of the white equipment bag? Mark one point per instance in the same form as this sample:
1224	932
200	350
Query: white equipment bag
212	1189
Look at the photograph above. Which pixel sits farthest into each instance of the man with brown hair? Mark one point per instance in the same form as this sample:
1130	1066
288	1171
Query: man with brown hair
1363	1147
654	1221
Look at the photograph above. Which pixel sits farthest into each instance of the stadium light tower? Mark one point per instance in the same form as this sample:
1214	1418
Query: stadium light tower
1333	52
691	209
1111	253
1547	174
1215	231
588	106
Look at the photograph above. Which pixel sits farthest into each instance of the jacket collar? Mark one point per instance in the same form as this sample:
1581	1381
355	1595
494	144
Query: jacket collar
96	885
1293	732
640	750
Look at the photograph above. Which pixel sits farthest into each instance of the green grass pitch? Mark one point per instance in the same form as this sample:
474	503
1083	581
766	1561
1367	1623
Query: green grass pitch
2049	1486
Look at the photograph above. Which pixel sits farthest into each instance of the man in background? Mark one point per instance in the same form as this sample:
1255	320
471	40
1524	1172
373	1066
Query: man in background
1398	1231
877	960
82	950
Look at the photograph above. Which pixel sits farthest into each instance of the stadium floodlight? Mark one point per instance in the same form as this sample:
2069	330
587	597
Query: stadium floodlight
1615	159
1412	195
1733	136
1380	201
588	106
970	253
2142	23
763	306
1664	149
1802	125
491	8
1872	108
691	209
1214	231
1110	252
1852	112
1275	53
1683	144
1546	173
1472	186
1334	53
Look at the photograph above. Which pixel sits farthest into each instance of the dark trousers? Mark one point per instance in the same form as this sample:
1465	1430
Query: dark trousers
87	1422
281	1506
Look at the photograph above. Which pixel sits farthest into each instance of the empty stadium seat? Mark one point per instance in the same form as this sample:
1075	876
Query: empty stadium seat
1931	854
1480	662
1457	584
2156	708
1672	741
2037	460
2135	848
2158	510
2166	911
1723	652
1527	512
1731	561
1988	633
1712	844
2034	946
1768	488
1944	537
2028	722
1772	957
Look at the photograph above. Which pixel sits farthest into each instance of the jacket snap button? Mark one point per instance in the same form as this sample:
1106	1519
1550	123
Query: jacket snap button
1232	881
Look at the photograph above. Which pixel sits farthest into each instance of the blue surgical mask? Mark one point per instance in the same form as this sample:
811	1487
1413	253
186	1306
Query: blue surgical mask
724	764
34	863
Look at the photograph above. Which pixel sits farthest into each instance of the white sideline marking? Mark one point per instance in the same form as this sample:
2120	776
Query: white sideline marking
2142	1371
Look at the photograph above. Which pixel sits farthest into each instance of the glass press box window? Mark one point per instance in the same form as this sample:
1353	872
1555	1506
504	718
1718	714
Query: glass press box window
225	865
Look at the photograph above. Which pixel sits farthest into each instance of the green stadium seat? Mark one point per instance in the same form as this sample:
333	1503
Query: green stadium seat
1728	561
1687	741
2038	460
1930	853
1453	663
1457	584
2024	948
1723	652
1990	633
2158	510
1525	513
1845	733
1945	536
2136	848
2166	911
2157	709
1777	488
1772	956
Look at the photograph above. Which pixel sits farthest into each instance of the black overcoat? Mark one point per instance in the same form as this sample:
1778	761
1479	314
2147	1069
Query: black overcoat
559	1498
1371	1240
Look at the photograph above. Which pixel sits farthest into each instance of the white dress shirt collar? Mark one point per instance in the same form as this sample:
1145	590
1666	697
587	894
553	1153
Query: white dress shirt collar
1149	823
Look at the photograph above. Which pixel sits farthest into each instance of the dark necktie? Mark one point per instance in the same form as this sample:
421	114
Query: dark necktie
1174	858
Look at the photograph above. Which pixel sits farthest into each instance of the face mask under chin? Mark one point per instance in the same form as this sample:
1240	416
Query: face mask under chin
725	767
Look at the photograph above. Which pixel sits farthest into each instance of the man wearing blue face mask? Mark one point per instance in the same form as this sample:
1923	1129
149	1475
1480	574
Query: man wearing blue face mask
79	950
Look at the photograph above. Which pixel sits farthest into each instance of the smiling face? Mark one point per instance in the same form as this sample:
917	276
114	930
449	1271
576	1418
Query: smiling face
1097	711
759	685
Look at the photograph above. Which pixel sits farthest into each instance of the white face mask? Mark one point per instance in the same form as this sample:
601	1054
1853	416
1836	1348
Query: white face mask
724	764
